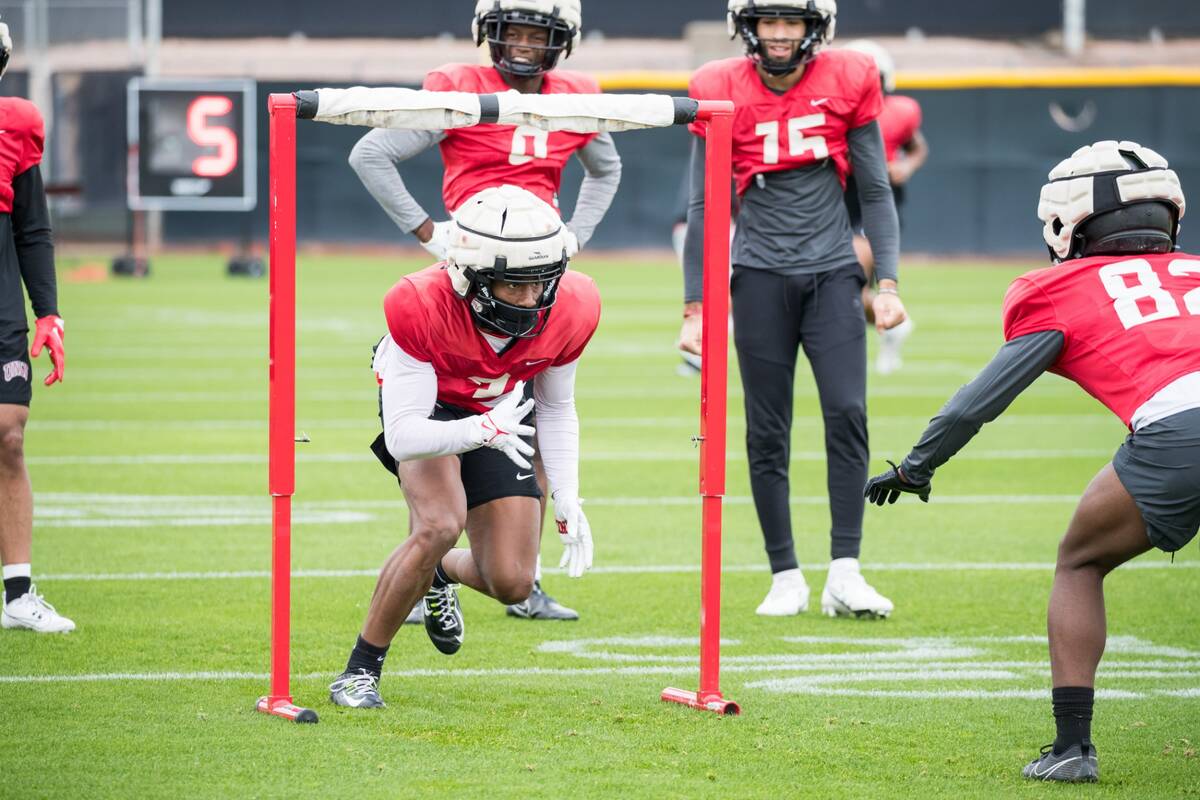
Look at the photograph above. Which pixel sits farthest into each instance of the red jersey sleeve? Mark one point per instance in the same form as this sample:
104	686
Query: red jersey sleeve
705	85
33	132
1028	309
870	102
438	80
406	320
586	312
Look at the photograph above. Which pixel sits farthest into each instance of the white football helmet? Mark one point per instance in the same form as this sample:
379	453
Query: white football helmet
507	234
883	61
6	47
821	15
562	19
1111	198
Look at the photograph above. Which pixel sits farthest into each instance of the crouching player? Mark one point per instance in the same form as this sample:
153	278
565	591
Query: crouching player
1118	315
474	346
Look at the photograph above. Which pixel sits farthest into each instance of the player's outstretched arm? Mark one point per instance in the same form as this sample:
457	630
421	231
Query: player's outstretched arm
558	443
601	178
1017	364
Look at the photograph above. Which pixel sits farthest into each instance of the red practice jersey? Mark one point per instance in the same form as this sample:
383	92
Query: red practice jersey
22	136
1130	325
484	156
839	91
898	123
432	323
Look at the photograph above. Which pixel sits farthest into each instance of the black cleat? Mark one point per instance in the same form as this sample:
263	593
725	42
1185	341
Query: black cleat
1076	764
443	618
358	689
540	605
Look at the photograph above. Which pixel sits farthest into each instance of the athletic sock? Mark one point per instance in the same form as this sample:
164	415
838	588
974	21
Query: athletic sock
366	656
17	581
440	579
1073	715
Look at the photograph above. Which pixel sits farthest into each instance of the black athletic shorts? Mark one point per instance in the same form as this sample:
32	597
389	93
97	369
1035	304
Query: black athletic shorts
1160	466
16	386
487	474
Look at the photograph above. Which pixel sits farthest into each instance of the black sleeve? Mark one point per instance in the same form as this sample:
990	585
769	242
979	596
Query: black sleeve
693	244
35	245
1010	372
875	198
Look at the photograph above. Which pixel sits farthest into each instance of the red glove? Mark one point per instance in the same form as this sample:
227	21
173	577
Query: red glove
50	333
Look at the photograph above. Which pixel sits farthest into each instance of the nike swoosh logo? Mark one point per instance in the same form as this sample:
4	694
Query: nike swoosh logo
1055	767
820	102
521	477
534	363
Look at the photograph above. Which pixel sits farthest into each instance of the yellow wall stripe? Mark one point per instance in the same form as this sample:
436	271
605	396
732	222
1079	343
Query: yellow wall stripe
1098	77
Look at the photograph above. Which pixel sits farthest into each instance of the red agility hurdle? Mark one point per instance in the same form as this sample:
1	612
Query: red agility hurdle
403	108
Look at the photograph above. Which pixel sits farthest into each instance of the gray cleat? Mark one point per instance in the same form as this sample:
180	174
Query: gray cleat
540	605
417	615
1076	764
356	690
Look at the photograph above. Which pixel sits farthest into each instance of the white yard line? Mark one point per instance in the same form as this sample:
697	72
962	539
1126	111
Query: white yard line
684	454
622	569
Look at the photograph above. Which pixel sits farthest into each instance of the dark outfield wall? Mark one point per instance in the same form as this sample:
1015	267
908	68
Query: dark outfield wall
666	18
991	150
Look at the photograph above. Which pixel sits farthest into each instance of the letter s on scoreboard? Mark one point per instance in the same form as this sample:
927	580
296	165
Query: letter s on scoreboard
192	145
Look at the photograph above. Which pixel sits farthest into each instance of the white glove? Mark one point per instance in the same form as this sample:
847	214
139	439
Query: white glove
572	242
438	245
575	532
501	428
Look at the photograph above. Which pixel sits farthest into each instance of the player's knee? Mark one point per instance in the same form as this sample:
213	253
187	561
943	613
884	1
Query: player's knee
435	534
12	447
847	414
512	588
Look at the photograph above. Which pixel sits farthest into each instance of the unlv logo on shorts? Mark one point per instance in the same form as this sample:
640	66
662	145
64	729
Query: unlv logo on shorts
16	369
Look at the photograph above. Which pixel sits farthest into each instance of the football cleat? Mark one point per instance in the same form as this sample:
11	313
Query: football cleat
848	594
443	618
416	616
1076	764
358	689
890	341
31	611
540	605
788	595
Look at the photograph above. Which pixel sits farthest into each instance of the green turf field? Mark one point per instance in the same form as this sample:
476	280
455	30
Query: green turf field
152	532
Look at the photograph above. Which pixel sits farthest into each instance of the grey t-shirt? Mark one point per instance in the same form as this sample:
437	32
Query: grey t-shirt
795	221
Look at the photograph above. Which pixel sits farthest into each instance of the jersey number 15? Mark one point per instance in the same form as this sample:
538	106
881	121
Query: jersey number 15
1147	286
798	143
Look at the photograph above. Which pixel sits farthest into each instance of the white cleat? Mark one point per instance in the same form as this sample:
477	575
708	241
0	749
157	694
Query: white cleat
847	593
31	611
890	341
788	595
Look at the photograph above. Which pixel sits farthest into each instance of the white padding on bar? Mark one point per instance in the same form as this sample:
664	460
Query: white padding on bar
421	110
397	108
587	113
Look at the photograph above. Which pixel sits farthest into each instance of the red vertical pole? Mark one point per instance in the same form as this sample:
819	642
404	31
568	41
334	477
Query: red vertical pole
713	396
713	405
282	479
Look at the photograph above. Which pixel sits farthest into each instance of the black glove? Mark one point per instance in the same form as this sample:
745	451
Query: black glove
886	487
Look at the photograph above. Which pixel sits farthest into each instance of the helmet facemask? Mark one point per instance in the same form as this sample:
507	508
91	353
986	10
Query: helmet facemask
507	319
559	39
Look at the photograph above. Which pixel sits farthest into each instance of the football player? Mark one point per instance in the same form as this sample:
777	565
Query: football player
526	39
906	150
474	346
803	113
1118	315
26	256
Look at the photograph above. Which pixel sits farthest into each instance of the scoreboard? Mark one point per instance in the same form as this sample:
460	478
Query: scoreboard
192	145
